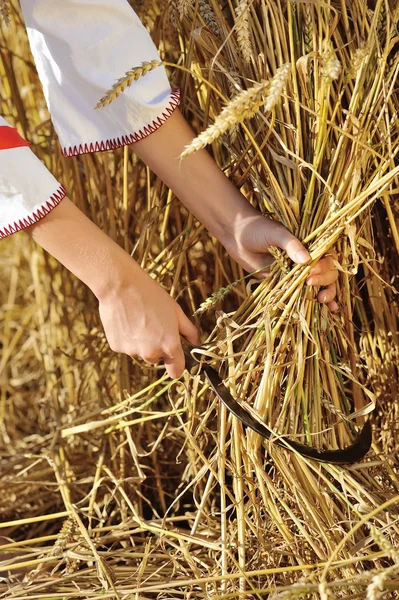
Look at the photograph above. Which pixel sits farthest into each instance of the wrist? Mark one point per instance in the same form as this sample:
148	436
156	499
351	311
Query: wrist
232	218
119	271
85	250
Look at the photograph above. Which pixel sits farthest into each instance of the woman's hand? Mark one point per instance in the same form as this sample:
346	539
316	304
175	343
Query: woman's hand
141	319
251	238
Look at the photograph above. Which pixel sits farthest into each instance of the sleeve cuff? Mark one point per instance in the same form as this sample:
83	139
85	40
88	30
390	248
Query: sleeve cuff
101	145
28	191
30	219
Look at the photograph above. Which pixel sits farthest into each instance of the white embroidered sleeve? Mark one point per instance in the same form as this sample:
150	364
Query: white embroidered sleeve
28	191
80	49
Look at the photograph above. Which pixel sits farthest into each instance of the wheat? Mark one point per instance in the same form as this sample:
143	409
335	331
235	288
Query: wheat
5	11
376	586
359	57
126	81
277	85
216	297
183	7
382	19
243	30
280	257
244	106
307	28
173	494
208	15
173	10
66	535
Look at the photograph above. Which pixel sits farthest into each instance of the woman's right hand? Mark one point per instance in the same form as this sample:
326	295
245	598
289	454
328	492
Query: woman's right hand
141	319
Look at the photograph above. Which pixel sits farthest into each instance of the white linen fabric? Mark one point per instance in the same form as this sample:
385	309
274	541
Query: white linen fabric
81	47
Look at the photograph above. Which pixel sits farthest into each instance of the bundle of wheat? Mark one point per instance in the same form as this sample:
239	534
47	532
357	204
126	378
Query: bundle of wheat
163	494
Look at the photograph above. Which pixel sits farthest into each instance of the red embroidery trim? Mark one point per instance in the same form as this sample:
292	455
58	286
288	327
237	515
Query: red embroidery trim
124	140
10	138
35	216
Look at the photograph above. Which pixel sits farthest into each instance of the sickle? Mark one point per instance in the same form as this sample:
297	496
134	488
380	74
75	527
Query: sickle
350	454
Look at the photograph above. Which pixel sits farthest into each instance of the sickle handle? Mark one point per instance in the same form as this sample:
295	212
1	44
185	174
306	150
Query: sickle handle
191	364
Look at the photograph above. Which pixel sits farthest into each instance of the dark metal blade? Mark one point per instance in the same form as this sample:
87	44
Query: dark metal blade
350	454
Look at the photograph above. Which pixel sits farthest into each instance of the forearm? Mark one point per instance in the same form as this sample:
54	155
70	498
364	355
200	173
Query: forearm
68	235
196	180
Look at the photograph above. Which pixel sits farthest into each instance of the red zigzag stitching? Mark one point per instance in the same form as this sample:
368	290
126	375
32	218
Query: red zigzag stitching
86	149
114	143
34	217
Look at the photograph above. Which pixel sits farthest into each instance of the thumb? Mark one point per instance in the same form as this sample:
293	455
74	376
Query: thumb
293	247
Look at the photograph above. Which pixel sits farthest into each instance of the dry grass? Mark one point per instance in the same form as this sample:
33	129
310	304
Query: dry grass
118	482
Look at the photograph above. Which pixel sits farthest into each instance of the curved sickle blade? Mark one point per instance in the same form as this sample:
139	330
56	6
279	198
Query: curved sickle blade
351	454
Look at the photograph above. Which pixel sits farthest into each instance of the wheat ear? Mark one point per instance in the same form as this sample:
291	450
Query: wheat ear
184	7
124	82
5	11
206	12
243	31
244	106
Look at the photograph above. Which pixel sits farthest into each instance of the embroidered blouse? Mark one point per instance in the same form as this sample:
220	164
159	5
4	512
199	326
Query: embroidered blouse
80	48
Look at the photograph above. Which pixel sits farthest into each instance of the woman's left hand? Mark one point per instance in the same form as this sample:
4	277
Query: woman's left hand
255	234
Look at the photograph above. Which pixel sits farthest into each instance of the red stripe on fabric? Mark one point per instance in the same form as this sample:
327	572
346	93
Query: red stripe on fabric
10	138
130	138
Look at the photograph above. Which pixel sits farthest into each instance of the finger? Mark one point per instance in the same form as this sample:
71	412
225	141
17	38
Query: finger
187	328
322	266
333	306
328	294
295	250
175	362
325	264
323	279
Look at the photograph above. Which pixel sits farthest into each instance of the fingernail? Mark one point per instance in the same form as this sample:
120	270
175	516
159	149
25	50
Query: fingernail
302	257
310	281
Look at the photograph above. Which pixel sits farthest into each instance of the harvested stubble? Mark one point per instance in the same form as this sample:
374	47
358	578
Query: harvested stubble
162	495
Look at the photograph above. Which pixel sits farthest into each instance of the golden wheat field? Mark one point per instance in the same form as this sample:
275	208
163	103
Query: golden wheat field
117	482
